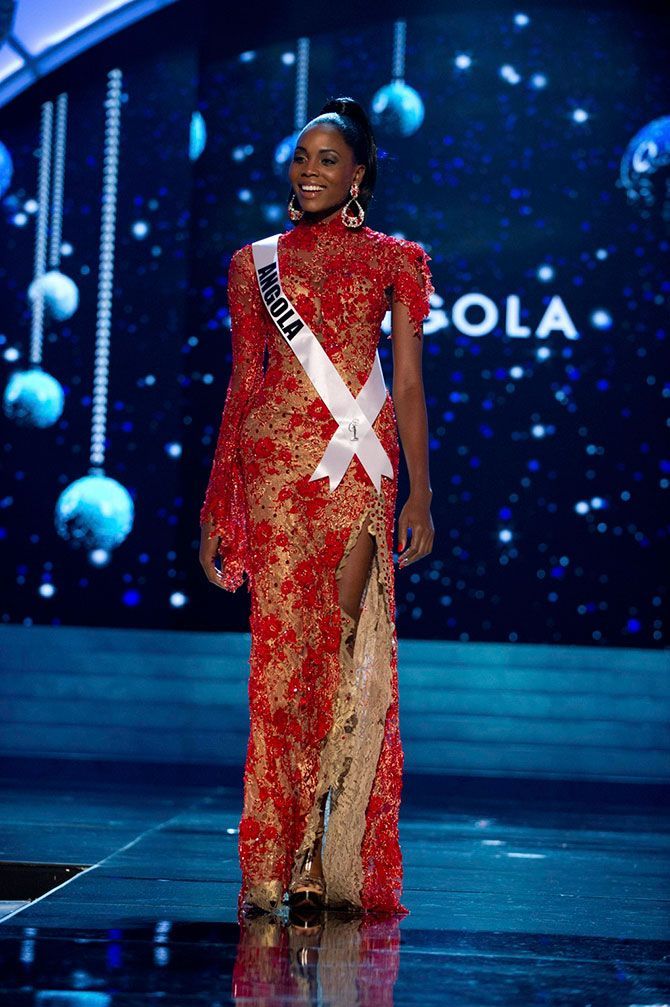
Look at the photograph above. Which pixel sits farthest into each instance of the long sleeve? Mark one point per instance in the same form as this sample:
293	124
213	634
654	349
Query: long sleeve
224	501
412	283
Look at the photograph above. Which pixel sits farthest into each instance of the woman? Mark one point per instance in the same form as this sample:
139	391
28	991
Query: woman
323	770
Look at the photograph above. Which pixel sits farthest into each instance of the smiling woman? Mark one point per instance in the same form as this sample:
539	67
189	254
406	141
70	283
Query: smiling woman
321	171
323	773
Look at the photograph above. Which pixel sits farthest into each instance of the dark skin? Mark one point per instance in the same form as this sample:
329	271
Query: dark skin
324	162
323	159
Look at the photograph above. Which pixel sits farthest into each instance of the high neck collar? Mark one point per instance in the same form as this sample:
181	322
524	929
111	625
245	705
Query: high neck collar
323	228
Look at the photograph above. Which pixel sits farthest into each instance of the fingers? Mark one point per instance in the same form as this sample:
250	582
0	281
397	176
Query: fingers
213	574
402	532
209	551
421	545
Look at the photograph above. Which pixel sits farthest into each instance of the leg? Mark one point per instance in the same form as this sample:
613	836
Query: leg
353	578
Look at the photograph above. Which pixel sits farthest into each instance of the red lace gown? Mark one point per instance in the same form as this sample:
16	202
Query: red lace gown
323	723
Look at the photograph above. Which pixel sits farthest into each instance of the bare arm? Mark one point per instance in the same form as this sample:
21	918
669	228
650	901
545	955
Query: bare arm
410	407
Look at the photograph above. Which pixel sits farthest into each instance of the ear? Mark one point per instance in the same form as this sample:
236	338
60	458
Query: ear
358	174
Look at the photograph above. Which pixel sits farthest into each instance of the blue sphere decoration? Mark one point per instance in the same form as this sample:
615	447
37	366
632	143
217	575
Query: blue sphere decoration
61	295
198	136
95	512
6	169
284	153
398	109
645	166
33	398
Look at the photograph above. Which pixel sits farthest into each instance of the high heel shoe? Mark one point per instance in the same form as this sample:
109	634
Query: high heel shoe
307	892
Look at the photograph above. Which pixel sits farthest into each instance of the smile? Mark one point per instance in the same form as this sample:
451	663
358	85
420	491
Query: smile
312	188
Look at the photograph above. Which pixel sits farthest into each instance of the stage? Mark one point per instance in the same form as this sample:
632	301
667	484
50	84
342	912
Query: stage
519	891
141	145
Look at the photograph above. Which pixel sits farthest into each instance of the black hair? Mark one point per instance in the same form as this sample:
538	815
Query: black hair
353	123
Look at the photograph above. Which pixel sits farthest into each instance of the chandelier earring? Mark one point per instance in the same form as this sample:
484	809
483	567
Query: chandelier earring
294	212
351	216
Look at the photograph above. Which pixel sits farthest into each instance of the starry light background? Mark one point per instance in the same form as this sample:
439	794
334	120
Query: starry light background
547	456
44	579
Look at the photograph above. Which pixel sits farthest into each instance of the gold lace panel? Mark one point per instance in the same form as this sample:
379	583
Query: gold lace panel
323	720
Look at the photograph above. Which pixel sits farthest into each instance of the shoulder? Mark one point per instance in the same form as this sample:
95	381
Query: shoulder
243	258
401	251
242	273
241	268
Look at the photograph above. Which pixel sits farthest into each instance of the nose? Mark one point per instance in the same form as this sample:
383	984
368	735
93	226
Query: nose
309	169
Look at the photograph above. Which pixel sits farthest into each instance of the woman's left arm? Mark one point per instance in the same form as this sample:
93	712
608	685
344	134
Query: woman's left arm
410	408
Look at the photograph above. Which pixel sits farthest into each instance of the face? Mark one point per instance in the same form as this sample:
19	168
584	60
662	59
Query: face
323	169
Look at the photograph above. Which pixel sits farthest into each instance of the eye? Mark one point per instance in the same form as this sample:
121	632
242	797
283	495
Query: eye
329	160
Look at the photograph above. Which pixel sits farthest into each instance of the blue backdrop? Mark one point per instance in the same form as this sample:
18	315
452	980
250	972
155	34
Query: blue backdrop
529	155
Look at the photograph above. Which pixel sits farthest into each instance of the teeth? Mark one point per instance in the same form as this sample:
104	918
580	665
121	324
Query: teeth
311	188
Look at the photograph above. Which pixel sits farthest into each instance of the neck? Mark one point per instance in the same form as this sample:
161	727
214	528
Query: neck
324	215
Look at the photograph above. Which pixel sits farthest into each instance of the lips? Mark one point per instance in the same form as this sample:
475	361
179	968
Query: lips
311	189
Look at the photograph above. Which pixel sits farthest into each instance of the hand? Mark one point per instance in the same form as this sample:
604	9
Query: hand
209	548
415	515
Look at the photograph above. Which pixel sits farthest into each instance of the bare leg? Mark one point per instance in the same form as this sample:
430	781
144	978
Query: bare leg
353	578
352	581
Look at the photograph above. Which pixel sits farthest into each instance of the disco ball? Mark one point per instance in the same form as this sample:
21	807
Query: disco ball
198	136
95	512
61	296
645	167
398	109
6	169
33	398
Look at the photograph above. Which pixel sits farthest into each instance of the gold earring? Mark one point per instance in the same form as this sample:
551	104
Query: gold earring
293	211
349	217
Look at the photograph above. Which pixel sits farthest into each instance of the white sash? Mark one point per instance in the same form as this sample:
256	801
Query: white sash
355	416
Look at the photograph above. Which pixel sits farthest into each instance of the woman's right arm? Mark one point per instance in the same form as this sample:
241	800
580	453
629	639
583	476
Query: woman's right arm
223	518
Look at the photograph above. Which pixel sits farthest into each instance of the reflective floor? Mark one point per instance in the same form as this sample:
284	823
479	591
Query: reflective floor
519	893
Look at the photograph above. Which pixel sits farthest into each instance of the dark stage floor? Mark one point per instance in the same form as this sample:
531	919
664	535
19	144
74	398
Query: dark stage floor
519	892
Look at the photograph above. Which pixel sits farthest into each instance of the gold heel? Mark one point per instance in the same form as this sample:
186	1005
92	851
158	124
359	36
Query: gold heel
307	892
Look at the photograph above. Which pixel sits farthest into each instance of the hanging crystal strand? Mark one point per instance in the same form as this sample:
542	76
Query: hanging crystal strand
399	43
32	397
37	320
96	511
58	177
106	270
284	149
301	83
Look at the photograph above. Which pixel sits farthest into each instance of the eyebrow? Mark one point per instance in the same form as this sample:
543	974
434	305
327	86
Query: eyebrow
324	150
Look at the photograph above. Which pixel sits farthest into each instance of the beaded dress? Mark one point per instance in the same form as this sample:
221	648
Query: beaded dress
323	720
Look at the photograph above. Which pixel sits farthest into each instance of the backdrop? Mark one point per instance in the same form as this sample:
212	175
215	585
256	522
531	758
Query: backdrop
529	155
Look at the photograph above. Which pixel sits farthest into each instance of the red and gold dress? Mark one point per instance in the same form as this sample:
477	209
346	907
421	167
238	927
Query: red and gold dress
322	722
